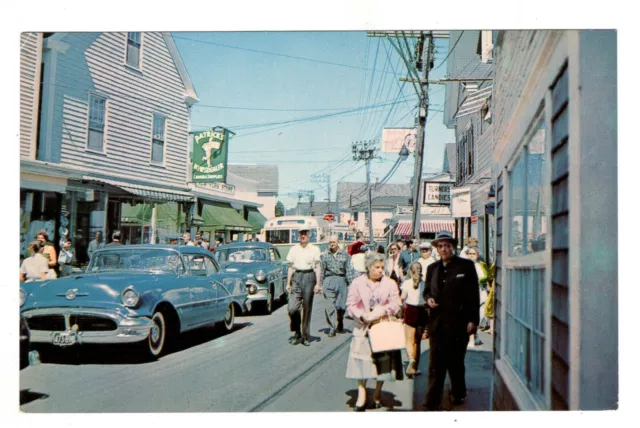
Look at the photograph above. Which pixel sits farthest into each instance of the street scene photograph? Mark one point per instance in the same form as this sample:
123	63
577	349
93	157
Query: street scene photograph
363	219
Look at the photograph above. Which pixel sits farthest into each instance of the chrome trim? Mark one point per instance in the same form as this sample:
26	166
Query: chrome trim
129	329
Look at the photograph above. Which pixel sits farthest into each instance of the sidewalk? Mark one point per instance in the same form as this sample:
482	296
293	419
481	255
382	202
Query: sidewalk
478	363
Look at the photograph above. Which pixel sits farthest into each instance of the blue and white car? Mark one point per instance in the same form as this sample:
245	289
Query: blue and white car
145	294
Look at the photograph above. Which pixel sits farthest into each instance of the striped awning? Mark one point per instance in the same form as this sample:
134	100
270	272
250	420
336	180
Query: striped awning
147	192
474	101
426	226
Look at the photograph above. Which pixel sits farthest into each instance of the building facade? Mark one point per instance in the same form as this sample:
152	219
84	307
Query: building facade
467	110
555	175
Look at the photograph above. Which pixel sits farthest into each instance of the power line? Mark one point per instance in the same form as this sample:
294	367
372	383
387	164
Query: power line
450	50
355	67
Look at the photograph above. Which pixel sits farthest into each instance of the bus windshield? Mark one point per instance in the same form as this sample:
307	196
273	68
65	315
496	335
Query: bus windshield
280	236
295	236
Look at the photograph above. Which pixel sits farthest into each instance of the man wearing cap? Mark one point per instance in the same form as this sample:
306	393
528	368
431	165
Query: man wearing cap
303	281
336	273
451	293
408	256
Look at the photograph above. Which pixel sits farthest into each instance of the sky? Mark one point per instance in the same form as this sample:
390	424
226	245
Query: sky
300	99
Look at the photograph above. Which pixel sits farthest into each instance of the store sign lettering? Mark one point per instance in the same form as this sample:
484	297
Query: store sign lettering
436	193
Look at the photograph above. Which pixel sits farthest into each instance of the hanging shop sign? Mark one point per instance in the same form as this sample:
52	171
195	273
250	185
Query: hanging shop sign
394	138
461	202
229	189
436	193
209	155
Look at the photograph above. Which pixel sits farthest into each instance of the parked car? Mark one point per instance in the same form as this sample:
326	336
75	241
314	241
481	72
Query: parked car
135	293
262	266
24	344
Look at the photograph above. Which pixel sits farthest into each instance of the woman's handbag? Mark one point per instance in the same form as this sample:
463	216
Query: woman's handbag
386	335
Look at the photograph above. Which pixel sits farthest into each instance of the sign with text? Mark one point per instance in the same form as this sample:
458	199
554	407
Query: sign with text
461	202
218	187
436	193
394	138
209	156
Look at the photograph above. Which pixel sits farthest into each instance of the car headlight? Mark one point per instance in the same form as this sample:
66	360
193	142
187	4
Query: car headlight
23	297
253	289
260	276
130	297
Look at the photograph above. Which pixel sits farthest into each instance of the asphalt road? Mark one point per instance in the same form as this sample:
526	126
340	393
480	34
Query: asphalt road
253	368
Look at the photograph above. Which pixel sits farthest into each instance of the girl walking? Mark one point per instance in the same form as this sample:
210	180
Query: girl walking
415	316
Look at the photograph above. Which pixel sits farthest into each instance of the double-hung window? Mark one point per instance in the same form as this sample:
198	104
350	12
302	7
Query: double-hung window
97	119
134	45
526	262
158	138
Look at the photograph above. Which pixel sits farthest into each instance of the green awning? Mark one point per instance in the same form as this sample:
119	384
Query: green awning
169	215
135	214
256	219
222	216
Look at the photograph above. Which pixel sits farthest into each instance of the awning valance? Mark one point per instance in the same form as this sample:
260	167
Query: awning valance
168	215
426	226
222	216
256	219
147	192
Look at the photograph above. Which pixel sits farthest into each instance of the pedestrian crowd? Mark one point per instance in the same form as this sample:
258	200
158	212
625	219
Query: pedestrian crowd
397	297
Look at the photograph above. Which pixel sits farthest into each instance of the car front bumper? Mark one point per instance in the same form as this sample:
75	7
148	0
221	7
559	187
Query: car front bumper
260	297
122	328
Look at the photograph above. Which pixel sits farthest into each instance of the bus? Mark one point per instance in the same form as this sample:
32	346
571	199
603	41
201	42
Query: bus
283	232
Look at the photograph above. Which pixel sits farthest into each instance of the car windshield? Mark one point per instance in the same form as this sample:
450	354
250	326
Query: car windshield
246	254
138	259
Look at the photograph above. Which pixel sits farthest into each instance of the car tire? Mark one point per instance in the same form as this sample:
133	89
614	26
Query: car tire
156	343
268	305
229	318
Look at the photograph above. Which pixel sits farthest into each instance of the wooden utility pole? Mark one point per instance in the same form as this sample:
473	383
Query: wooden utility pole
425	50
366	151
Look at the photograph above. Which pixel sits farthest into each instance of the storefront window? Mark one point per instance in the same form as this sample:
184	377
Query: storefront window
87	217
38	211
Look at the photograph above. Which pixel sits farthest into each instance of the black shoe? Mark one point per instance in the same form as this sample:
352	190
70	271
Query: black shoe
332	333
361	408
340	328
377	405
458	401
305	342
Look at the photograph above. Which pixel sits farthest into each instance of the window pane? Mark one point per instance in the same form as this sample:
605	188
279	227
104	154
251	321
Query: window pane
517	184
134	37
158	127
157	150
537	191
95	140
133	55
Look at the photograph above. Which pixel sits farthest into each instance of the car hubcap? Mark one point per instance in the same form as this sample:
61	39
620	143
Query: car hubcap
155	333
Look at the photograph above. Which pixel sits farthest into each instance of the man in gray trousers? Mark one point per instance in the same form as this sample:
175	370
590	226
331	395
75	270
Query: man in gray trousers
302	282
336	273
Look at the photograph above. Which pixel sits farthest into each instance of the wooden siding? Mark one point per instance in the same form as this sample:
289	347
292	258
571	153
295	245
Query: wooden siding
95	63
30	62
502	398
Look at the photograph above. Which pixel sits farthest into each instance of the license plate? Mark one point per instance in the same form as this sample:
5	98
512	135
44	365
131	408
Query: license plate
64	339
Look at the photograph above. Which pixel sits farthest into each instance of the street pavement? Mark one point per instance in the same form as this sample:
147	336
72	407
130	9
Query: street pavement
253	368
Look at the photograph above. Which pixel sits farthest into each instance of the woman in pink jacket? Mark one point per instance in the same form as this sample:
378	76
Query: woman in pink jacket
371	297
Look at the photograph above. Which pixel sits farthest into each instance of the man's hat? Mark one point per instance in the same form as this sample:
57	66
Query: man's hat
444	236
304	229
424	245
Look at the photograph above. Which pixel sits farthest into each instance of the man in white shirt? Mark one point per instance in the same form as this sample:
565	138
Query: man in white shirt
96	244
302	282
426	258
187	239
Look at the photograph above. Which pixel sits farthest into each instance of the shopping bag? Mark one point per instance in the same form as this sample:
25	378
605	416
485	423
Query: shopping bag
387	335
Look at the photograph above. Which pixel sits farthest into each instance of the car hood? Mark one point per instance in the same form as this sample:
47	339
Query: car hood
90	289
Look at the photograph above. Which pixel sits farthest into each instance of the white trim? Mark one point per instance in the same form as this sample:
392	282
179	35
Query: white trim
35	125
549	252
574	219
126	50
191	97
104	131
520	393
164	143
50	82
506	238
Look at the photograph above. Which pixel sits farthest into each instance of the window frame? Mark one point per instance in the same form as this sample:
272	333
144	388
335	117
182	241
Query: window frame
153	139
126	50
532	261
91	97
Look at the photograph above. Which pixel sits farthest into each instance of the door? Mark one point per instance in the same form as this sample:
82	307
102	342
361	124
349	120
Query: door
201	308
284	271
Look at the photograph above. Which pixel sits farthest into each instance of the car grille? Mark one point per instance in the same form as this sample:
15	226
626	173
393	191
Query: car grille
92	323
46	322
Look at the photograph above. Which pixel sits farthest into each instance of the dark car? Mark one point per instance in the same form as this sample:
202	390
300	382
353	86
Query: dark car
146	294
24	344
263	268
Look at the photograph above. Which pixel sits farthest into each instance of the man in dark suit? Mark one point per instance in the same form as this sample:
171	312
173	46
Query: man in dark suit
452	296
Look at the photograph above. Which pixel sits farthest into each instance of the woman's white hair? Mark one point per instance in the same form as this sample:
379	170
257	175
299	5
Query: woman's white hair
371	258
